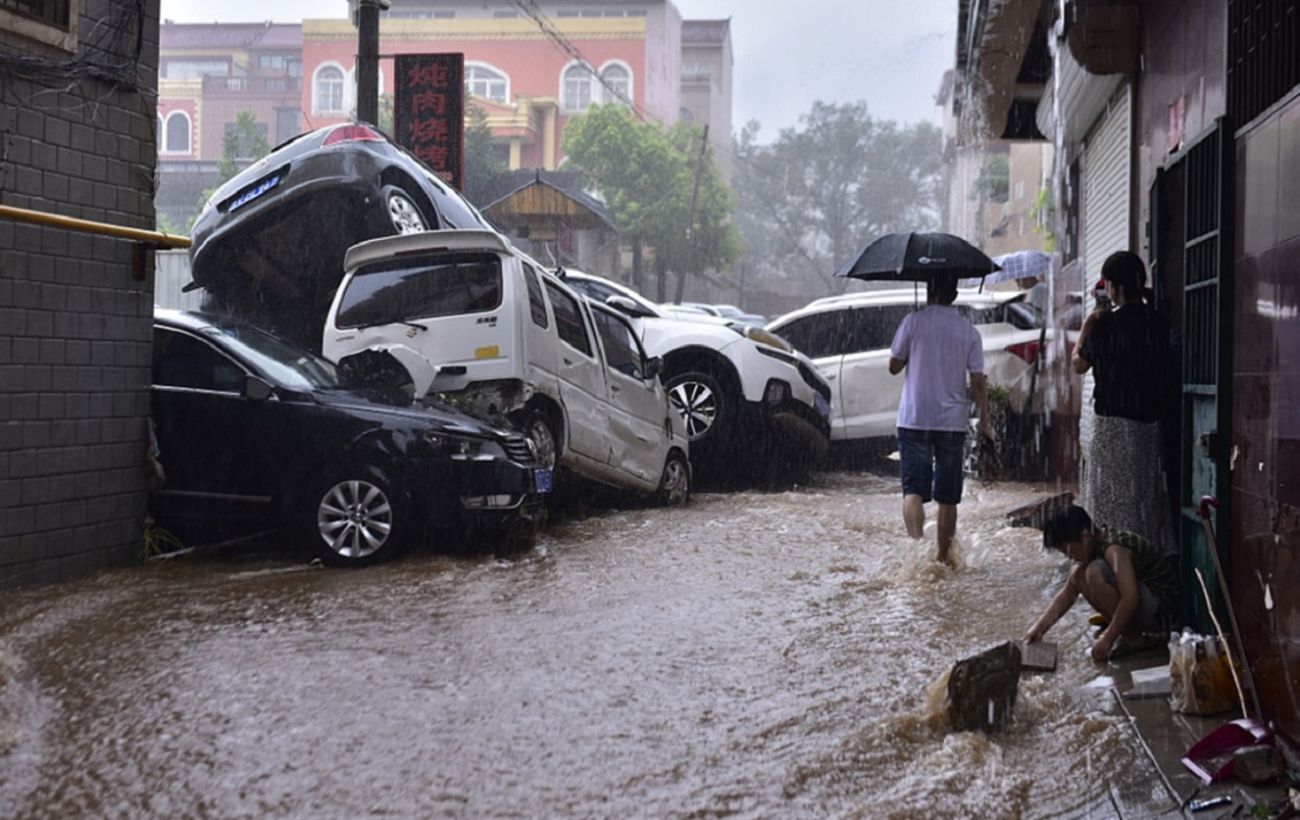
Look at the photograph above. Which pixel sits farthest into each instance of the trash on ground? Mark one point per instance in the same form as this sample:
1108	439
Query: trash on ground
1039	656
1199	675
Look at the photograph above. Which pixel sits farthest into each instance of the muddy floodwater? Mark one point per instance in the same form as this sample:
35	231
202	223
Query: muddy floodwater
756	654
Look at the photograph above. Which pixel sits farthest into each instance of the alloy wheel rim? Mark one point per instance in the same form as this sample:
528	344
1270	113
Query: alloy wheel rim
697	405
354	519
676	482
406	219
540	433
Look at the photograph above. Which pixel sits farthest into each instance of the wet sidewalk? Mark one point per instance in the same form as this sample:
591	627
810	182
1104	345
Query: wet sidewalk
1140	687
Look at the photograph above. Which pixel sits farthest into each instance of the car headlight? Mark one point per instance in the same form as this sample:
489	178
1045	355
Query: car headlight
465	448
760	336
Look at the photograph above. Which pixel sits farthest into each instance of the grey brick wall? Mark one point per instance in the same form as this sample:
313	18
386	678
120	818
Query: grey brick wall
76	139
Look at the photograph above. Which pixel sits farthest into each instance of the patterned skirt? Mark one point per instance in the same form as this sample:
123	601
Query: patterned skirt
1124	480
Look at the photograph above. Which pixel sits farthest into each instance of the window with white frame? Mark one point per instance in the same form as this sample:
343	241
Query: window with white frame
176	135
194	69
617	85
578	79
327	90
486	82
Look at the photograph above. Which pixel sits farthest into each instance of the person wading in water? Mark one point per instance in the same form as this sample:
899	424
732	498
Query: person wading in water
938	348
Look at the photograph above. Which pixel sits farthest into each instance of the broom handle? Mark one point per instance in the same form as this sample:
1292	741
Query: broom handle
1207	502
1232	667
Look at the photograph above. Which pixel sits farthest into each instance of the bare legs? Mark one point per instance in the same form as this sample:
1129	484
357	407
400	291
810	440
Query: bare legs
914	515
914	520
1091	583
947	527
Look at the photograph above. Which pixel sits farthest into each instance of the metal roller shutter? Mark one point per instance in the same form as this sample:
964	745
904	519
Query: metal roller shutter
1107	173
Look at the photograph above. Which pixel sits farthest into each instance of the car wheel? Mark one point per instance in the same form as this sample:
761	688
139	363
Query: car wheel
355	520
698	398
675	485
538	428
403	214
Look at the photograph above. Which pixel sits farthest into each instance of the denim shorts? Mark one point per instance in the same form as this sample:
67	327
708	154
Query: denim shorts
932	463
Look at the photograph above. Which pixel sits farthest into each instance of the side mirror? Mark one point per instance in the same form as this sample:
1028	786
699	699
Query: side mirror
654	367
256	389
625	305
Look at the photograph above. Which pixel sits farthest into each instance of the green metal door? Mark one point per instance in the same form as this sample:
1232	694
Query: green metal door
1207	359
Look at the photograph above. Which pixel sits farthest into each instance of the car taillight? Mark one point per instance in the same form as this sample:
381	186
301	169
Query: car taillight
353	133
1025	350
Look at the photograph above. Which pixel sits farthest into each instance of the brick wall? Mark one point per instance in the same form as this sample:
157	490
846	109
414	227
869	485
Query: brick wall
76	139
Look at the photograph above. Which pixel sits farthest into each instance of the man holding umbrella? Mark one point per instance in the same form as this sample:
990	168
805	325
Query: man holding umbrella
937	347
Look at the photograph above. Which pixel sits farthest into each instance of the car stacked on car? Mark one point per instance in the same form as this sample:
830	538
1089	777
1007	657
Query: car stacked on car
735	385
460	379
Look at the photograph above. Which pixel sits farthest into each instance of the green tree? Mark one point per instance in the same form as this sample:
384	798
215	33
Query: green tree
484	169
822	190
243	144
645	173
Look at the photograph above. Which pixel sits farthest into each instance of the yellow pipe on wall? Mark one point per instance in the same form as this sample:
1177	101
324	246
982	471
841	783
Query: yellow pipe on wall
49	220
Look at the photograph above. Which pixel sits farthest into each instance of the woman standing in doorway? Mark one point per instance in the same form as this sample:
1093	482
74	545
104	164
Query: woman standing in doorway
1127	348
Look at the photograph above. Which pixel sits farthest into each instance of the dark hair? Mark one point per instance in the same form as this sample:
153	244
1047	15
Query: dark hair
1126	270
1065	526
942	289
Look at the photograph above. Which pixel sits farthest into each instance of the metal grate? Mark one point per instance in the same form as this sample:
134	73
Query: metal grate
54	12
1202	258
1263	55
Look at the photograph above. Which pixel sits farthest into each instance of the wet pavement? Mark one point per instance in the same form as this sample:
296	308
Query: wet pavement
755	654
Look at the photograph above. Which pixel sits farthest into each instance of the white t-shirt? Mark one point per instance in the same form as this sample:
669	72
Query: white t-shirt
940	348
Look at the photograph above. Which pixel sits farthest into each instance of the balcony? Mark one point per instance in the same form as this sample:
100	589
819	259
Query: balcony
253	86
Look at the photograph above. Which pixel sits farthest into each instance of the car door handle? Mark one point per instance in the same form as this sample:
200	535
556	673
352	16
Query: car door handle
614	388
568	362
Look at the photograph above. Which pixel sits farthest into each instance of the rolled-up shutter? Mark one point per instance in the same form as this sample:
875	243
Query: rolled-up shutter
1107	172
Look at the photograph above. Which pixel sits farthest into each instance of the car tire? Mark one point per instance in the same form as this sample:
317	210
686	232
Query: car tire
355	519
541	432
705	407
404	215
675	483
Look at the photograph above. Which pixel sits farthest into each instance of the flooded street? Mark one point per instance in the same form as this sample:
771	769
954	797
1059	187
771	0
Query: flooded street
756	654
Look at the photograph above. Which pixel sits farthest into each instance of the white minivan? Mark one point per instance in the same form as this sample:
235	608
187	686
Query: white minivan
483	326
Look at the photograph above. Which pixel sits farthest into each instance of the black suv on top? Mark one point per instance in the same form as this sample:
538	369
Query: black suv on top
252	428
269	244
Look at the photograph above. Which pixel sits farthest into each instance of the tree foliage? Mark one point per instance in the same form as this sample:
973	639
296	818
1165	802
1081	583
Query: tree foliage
244	143
822	190
484	169
645	173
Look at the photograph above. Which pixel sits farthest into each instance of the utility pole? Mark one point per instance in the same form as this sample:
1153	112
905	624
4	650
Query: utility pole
368	59
690	213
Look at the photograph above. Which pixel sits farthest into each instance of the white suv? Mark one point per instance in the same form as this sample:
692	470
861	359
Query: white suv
729	382
499	336
849	337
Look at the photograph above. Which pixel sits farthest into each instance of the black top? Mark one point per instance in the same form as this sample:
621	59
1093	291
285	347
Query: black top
1128	349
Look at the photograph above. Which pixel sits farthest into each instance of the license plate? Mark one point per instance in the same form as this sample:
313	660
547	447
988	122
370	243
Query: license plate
822	406
542	479
254	192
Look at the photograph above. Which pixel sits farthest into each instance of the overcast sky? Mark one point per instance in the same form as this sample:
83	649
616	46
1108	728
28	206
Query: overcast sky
890	53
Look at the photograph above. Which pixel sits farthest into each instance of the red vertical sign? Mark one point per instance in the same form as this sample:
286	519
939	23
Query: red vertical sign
429	111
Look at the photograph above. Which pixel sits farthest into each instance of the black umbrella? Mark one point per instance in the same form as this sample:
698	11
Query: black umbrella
918	257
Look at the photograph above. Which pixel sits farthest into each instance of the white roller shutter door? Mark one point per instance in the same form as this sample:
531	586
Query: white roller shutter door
1107	182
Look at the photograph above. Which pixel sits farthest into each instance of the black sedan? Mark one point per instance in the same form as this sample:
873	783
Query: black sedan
269	244
254	429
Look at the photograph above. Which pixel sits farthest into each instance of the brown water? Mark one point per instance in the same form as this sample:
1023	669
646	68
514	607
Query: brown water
754	654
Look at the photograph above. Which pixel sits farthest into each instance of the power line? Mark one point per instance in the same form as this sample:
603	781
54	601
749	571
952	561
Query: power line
566	46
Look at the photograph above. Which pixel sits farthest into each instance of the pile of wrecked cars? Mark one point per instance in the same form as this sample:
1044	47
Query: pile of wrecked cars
393	367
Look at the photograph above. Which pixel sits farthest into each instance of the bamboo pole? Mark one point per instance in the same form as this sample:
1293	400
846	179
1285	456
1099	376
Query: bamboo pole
49	220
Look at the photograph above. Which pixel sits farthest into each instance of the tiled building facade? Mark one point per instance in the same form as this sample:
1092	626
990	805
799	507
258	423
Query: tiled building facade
77	138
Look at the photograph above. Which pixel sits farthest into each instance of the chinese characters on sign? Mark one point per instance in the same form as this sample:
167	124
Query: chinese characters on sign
429	111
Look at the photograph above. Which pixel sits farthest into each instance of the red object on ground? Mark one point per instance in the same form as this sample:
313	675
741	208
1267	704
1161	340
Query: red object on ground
1223	741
